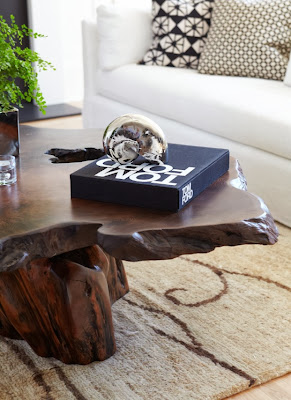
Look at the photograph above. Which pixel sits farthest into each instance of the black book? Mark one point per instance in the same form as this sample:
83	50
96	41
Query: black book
189	170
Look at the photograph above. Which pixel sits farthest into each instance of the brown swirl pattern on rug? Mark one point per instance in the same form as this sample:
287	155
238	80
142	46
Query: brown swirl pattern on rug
196	347
219	273
25	359
38	375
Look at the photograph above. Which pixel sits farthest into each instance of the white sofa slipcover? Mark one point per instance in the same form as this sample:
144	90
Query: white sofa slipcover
251	117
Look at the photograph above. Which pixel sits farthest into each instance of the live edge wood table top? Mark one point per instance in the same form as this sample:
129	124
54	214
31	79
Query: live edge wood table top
60	258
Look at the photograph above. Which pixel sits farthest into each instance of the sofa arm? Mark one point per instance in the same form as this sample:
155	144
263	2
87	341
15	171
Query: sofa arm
90	57
124	34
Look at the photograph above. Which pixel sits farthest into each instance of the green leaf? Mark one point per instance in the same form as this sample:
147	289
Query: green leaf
19	62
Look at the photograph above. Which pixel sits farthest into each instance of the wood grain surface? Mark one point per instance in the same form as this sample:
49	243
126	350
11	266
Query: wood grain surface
39	218
62	305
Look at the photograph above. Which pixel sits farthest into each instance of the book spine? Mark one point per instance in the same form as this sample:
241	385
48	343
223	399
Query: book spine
199	183
148	196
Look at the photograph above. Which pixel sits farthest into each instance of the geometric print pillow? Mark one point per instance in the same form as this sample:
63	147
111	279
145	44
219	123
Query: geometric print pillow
248	38
180	28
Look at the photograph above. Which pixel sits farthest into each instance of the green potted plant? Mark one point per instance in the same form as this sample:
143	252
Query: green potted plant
17	64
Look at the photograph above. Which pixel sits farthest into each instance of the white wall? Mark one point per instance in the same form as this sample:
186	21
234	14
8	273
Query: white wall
61	20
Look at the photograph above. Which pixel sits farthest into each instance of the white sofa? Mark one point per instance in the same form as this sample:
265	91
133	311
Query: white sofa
251	117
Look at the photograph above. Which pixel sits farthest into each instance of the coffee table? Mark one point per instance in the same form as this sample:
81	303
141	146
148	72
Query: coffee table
60	258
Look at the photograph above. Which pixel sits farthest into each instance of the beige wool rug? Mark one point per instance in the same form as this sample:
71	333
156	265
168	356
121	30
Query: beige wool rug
198	327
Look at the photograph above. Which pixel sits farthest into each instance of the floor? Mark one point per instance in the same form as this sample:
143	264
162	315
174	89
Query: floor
278	389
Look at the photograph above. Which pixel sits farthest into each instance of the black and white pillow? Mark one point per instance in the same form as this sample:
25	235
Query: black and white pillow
180	28
250	38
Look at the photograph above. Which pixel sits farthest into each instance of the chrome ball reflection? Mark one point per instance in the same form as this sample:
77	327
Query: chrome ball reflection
131	135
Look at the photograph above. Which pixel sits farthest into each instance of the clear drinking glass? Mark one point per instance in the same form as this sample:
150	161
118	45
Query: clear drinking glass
7	170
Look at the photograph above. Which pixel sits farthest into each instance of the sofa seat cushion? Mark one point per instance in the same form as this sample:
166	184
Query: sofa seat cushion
259	109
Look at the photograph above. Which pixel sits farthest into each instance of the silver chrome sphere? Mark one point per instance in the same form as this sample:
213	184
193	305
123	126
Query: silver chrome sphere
131	135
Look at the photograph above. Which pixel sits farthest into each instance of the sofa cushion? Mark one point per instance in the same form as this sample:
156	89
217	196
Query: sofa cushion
117	45
248	38
259	109
179	32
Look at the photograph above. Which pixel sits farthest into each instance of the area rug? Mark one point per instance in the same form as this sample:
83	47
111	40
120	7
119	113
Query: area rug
199	327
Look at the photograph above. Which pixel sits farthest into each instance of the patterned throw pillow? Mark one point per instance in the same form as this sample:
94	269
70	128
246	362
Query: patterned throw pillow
179	28
248	38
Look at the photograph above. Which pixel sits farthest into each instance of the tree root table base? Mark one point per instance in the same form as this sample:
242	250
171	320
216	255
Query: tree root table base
62	305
